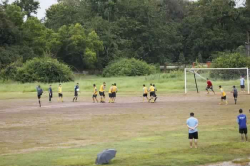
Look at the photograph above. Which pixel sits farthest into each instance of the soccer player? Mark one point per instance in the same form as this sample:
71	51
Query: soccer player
114	90
102	92
192	124
242	84
50	93
110	93
145	93
152	93
39	94
242	121
155	92
76	92
60	94
223	95
209	86
235	94
95	94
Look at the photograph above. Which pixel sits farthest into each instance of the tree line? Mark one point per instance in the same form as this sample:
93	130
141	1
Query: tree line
89	34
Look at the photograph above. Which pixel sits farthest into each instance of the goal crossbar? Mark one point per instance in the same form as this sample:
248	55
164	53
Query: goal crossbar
197	69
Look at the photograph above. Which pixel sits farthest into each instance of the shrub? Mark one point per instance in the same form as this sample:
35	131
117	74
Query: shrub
229	60
128	67
44	70
10	71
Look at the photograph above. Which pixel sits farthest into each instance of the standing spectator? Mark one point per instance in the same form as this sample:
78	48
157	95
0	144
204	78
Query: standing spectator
192	124
242	122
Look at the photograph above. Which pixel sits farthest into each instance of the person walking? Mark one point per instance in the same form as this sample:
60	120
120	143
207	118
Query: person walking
50	93
76	90
39	94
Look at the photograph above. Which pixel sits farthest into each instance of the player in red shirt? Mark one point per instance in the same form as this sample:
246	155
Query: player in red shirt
209	86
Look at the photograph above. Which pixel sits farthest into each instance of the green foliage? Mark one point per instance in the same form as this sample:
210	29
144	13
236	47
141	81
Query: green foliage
10	72
15	14
128	67
229	60
79	48
28	6
44	70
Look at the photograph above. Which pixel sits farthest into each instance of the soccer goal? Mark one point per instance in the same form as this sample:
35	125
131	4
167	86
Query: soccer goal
196	78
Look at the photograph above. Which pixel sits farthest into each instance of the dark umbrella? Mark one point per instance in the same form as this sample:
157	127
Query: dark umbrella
105	156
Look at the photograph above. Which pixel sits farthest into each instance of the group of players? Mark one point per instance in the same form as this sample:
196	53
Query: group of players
112	93
223	93
151	91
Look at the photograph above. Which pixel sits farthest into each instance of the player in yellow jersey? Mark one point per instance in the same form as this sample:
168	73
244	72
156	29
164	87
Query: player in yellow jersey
95	94
152	93
223	96
145	93
102	92
60	93
114	90
110	93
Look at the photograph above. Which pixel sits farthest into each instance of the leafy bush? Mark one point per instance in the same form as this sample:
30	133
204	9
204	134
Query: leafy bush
128	67
9	72
229	60
44	70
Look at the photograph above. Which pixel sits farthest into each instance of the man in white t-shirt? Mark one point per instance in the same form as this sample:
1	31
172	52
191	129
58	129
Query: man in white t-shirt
242	84
192	124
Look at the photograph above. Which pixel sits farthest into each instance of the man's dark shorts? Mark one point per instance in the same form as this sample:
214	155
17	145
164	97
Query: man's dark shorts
110	95
101	94
60	94
243	131
76	94
94	96
193	135
242	86
113	94
235	96
209	87
39	96
152	94
223	97
145	95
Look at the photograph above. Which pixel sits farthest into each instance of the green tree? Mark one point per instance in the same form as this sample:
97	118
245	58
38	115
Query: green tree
39	38
79	48
28	6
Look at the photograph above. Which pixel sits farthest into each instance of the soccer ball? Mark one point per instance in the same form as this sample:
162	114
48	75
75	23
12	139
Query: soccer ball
78	90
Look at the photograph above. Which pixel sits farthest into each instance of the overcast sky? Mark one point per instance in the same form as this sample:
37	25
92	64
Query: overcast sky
45	4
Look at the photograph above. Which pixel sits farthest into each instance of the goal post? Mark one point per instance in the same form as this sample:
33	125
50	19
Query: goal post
227	77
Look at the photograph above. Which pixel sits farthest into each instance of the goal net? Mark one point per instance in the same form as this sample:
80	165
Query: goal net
226	77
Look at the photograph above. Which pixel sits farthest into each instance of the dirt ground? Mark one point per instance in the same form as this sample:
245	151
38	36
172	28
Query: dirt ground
24	127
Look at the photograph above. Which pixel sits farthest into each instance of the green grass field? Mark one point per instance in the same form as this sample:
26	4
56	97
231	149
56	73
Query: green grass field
63	134
166	83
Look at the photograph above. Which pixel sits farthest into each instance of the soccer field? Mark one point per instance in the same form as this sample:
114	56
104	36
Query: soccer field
144	134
